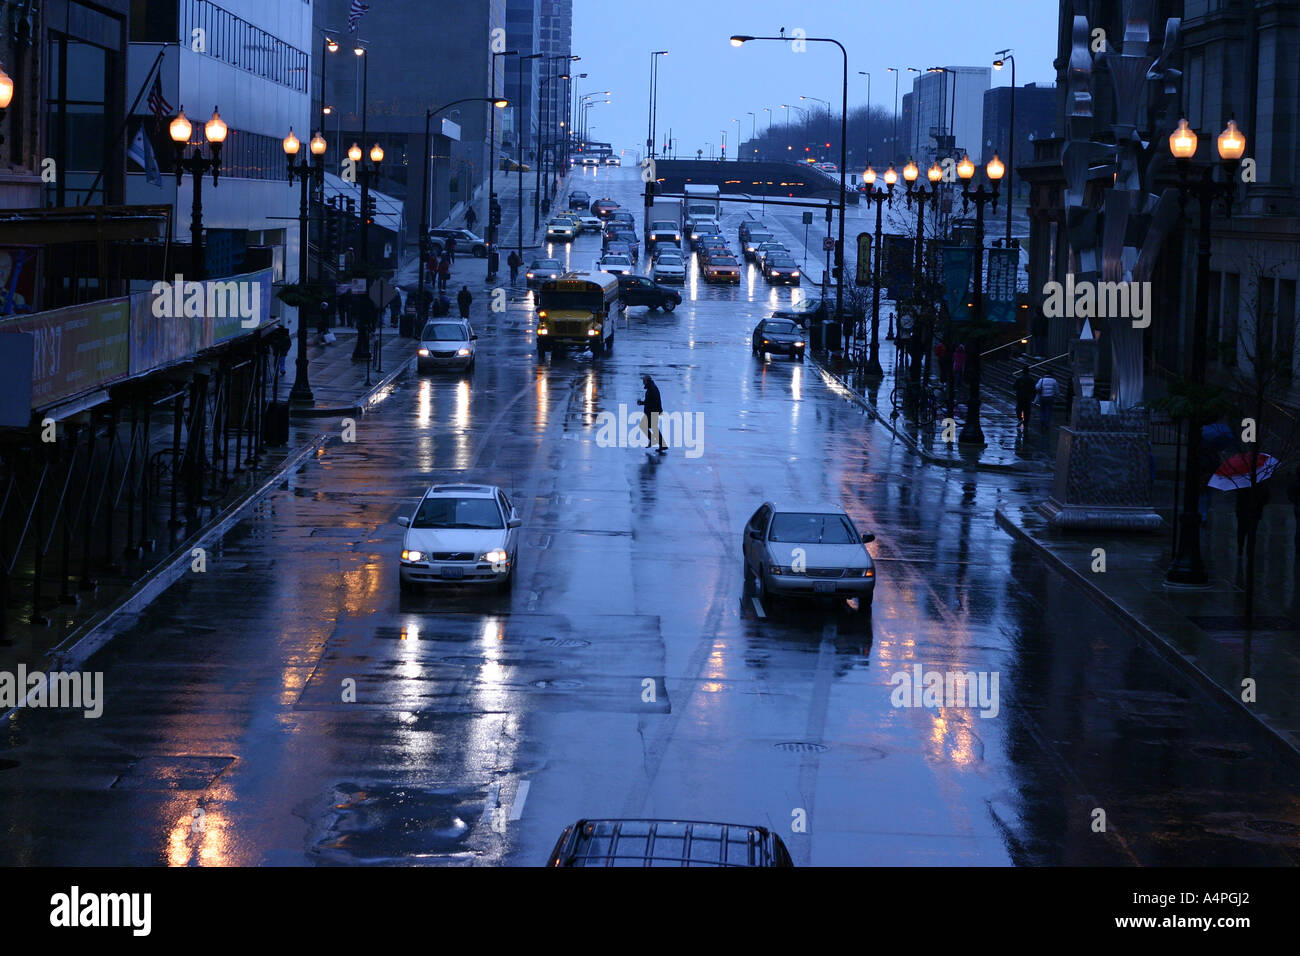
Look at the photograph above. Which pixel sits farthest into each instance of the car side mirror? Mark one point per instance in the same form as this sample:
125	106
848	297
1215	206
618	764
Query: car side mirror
515	522
868	538
473	338
756	534
404	521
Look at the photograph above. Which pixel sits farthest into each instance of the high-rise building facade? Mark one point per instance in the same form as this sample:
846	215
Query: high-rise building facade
948	112
523	33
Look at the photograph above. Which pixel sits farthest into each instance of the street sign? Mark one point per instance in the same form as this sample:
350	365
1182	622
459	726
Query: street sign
864	258
807	219
828	244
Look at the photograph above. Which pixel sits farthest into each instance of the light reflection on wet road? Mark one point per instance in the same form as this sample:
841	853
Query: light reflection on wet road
228	737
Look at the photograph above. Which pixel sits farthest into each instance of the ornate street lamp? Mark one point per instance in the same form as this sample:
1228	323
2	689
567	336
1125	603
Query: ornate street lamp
1188	569
309	174
6	96
366	174
878	196
971	434
920	343
214	131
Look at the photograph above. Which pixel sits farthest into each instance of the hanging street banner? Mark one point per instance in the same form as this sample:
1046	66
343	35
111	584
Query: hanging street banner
864	258
897	265
1000	286
957	266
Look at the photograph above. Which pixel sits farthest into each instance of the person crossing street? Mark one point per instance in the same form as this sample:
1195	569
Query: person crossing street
654	408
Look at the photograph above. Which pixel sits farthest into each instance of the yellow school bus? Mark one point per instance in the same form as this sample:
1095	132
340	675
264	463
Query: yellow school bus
578	308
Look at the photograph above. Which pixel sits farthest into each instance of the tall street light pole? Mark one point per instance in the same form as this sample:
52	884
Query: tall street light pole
828	113
493	207
879	197
1004	57
429	114
868	76
894	150
308	174
844	118
1188	569
920	343
971	433
366	173
654	97
520	122
214	131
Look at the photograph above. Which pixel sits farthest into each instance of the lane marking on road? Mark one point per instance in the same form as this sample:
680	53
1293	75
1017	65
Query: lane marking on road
758	607
517	808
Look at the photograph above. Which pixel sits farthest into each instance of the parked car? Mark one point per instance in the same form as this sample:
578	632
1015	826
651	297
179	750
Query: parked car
460	534
466	242
669	268
805	311
561	229
539	270
446	344
807	550
638	290
778	337
667	843
780	269
615	264
603	207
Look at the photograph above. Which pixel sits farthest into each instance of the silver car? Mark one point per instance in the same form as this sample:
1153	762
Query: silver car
808	551
460	534
446	344
669	269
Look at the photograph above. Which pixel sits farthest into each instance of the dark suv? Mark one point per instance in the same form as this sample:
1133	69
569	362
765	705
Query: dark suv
639	290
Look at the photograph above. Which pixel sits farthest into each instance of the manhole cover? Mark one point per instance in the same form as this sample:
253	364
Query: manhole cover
1223	753
562	683
1273	827
802	747
565	642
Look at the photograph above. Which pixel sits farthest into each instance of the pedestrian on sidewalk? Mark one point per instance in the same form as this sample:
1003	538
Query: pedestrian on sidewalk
1250	509
654	408
470	219
1025	386
1046	390
444	272
280	343
945	362
463	299
514	262
958	363
450	250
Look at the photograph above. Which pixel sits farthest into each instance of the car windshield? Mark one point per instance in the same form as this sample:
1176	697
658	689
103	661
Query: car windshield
796	528
444	332
664	226
779	328
723	261
758	238
458	513
545	265
669	260
781	262
617	260
562	223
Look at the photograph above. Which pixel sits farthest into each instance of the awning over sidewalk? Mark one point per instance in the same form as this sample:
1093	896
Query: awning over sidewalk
388	210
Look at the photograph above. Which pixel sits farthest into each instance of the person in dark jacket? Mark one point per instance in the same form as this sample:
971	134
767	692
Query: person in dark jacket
1024	396
450	249
471	217
463	299
654	407
514	262
280	341
444	271
1250	503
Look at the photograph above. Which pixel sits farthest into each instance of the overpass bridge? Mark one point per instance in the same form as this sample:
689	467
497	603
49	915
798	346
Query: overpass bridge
769	180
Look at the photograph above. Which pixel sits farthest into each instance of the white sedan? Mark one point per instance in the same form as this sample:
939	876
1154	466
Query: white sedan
460	534
446	343
669	268
615	264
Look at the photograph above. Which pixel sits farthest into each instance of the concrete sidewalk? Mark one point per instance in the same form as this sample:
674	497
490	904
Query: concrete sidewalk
1009	448
1201	632
338	384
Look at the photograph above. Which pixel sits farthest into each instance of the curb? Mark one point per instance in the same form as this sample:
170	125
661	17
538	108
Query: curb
911	444
89	638
356	408
1166	651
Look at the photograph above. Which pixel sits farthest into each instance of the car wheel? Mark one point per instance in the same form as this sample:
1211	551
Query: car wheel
669	306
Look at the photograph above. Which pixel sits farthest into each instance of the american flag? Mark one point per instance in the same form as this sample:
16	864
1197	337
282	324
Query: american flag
158	103
355	13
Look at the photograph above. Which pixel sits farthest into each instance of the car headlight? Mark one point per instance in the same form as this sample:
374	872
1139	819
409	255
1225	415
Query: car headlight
462	352
543	330
794	274
798	345
593	331
496	556
423	352
529	275
412	555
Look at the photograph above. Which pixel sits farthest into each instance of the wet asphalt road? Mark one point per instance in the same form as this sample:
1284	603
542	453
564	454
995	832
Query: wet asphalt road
482	724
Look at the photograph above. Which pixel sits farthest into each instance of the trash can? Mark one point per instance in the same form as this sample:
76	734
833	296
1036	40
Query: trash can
832	335
816	336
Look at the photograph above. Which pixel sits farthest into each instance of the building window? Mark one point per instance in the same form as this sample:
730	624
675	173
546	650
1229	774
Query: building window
76	113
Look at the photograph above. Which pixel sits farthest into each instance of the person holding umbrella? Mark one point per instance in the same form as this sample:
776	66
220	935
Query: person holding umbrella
1246	475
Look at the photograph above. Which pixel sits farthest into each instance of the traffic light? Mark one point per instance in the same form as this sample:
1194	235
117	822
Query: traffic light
368	209
333	229
494	212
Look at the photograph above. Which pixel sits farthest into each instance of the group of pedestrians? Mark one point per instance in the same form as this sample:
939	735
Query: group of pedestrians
438	265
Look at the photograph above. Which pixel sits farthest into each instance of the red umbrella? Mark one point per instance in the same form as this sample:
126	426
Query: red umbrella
1234	473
